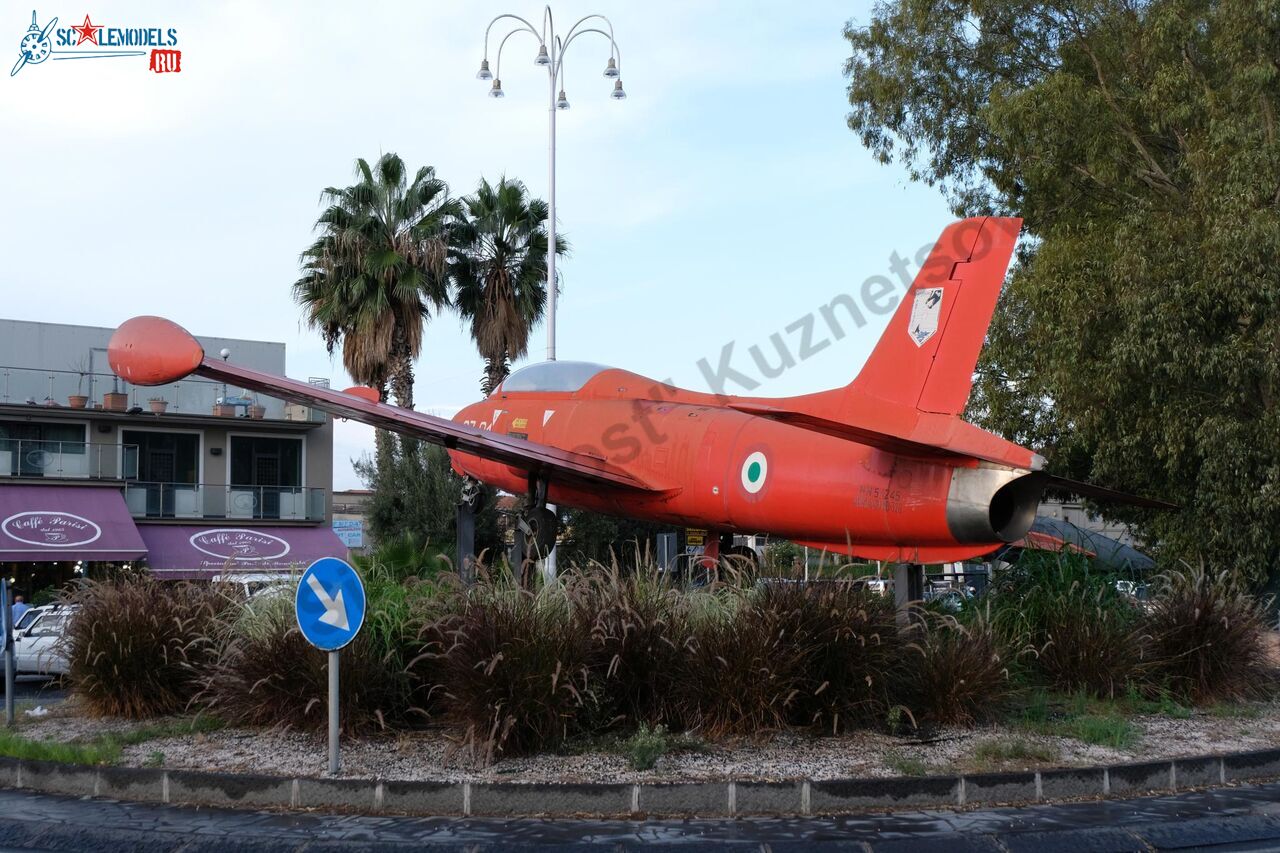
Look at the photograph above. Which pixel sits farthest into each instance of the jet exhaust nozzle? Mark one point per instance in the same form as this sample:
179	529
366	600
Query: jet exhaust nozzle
988	504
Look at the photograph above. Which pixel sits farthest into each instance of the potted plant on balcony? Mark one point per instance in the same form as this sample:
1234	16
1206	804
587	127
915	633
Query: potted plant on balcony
79	400
158	405
257	411
224	410
115	400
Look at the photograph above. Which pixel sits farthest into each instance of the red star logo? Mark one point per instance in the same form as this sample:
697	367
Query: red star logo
88	31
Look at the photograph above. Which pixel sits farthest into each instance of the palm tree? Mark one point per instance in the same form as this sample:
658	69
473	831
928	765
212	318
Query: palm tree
499	268
378	268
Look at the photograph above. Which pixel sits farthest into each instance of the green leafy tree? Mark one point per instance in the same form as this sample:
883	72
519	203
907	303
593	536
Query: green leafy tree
499	268
377	269
415	498
1138	338
592	537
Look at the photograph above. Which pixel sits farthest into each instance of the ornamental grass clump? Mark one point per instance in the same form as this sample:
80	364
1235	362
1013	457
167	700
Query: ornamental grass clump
515	670
267	674
953	674
138	647
1078	632
743	671
638	634
851	651
1207	637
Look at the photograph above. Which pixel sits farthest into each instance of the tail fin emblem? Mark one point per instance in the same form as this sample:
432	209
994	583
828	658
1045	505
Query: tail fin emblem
924	315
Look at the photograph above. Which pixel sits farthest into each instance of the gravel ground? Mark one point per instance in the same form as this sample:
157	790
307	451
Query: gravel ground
430	755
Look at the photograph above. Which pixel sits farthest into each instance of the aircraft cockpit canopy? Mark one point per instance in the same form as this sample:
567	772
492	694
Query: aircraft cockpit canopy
552	376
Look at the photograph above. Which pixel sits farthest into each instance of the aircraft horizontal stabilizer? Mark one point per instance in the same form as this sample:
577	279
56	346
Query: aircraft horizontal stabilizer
920	435
1088	490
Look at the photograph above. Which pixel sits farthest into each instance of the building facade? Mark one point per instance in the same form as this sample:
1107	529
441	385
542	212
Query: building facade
191	479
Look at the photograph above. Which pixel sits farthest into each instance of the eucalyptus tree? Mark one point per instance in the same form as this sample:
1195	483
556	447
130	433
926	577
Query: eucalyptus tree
1138	338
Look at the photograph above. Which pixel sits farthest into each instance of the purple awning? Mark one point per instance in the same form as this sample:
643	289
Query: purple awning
49	524
182	551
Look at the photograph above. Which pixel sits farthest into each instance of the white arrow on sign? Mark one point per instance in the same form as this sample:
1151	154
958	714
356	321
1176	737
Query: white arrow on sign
335	611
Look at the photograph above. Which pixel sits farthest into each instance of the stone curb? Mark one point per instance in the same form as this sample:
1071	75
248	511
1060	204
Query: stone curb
644	799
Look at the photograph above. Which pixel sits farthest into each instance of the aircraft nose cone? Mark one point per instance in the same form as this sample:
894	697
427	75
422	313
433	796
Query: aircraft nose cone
153	351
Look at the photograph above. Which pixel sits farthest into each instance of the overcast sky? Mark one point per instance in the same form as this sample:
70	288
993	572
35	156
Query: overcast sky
721	202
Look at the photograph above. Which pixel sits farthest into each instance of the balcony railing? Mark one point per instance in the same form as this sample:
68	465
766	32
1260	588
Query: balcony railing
71	389
75	460
199	500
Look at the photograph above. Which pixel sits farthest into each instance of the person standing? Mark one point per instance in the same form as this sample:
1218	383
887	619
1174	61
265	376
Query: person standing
20	607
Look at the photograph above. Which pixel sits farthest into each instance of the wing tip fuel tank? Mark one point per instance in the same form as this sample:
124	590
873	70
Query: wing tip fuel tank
153	351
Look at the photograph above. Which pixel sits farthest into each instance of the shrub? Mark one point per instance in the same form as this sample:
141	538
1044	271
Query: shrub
137	647
1207	637
954	674
645	747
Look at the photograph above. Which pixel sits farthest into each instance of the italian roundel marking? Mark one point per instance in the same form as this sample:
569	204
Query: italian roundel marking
755	470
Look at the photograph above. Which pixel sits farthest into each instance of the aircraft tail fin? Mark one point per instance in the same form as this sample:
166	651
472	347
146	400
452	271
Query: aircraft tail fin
926	357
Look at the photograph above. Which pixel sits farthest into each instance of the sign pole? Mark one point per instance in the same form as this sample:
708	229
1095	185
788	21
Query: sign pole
6	620
330	605
334	763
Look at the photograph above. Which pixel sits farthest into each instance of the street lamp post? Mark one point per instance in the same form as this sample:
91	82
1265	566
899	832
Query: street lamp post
550	55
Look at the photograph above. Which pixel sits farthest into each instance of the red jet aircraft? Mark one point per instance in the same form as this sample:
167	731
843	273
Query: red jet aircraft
883	468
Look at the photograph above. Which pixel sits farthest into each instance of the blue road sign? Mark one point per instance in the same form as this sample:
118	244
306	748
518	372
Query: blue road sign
330	604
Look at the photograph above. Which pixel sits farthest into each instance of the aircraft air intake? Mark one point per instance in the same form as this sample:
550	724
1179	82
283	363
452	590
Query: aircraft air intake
988	504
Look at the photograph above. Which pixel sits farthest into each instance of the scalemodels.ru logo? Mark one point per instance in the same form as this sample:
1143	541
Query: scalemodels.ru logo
95	41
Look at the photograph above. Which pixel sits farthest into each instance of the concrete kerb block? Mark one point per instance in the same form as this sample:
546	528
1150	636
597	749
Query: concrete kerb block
1245	766
990	788
508	799
842	795
75	779
429	798
768	798
684	798
1197	772
1140	777
1071	782
131	783
226	789
352	794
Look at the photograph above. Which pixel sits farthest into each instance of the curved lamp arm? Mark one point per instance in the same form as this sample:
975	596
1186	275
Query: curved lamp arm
487	29
583	20
614	49
497	64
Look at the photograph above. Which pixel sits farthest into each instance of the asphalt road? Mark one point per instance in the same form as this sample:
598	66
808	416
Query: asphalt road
1234	819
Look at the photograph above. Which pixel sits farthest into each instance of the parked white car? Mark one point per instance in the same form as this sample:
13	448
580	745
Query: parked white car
260	584
38	647
28	617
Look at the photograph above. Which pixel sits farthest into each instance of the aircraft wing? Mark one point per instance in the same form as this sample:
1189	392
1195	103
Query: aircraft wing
155	351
